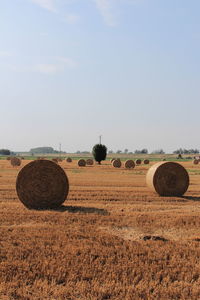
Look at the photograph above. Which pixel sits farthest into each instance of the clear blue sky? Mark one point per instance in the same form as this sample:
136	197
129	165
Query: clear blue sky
71	70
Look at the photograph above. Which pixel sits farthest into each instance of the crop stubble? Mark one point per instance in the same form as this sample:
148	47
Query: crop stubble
92	247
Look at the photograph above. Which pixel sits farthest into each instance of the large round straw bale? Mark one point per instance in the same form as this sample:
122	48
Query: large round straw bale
15	161
55	160
129	164
146	161
195	161
68	159
116	163
138	161
89	162
81	163
168	179
42	184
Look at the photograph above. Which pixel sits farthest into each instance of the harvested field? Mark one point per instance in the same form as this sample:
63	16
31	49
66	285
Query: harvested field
112	239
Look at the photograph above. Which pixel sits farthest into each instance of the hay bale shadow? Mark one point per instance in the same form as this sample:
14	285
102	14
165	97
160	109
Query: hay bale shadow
82	209
193	198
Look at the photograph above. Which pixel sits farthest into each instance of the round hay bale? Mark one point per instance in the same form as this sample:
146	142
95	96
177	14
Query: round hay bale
8	158
138	161
112	159
168	179
146	161
68	159
59	159
81	163
42	184
129	164
15	161
55	160
89	162
116	163
195	161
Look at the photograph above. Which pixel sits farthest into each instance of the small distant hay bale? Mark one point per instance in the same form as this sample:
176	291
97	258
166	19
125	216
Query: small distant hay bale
116	163
42	184
55	160
68	159
112	159
15	161
8	158
146	161
59	159
129	164
138	161
81	163
195	161
89	162
168	179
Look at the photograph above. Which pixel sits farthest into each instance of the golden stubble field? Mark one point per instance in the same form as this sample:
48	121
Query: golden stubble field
93	247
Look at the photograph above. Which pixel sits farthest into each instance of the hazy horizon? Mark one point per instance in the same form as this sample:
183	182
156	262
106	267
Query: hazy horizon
71	70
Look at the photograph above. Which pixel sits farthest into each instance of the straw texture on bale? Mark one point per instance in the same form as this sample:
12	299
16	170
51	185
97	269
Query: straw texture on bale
55	160
116	163
69	160
42	184
129	164
15	161
112	159
81	163
89	162
146	161
138	161
195	161
168	179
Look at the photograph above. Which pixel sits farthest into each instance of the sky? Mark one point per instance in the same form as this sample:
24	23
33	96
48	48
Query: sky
72	70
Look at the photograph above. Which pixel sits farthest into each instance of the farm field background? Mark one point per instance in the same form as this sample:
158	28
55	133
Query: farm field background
94	246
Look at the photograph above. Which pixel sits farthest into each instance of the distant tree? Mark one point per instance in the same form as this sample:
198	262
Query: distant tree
119	151
110	151
143	151
4	152
125	151
159	151
186	151
99	152
43	150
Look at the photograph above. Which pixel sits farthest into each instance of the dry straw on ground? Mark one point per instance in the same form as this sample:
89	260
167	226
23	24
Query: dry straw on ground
146	161
168	179
89	162
42	184
129	164
15	161
116	163
68	159
81	163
